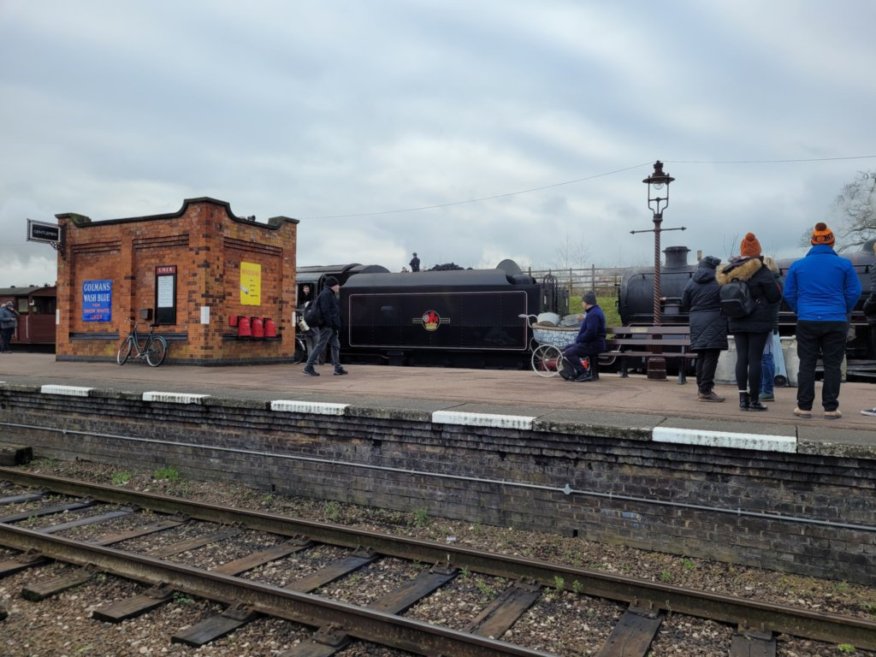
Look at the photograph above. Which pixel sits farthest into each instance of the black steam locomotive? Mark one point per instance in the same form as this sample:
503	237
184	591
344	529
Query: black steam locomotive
459	317
636	294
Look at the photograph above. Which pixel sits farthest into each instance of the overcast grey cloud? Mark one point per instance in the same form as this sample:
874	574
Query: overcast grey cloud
355	115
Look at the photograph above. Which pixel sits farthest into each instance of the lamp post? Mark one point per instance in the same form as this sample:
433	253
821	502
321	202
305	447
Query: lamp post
658	201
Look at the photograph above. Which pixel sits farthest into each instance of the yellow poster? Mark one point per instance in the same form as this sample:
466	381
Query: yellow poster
250	284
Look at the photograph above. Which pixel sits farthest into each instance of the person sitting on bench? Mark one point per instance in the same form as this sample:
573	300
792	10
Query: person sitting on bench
589	343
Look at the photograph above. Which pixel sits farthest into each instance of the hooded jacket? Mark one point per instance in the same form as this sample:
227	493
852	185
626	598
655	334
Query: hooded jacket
708	327
764	288
822	287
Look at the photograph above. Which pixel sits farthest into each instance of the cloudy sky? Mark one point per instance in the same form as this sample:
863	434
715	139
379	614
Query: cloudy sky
469	131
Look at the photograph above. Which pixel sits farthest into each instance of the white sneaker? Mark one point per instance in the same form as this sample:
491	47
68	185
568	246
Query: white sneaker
869	411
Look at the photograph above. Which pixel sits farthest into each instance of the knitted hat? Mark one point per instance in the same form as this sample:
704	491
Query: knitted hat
750	247
589	298
331	281
710	261
822	234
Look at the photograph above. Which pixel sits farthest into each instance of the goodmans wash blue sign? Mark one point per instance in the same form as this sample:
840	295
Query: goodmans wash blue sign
97	301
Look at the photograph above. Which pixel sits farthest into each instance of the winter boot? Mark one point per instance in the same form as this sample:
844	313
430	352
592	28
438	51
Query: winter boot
744	401
755	404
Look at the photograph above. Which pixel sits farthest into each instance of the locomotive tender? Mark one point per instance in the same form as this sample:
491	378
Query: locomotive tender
470	316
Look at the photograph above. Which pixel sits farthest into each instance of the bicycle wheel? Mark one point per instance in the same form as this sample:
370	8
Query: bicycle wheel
547	360
156	351
124	351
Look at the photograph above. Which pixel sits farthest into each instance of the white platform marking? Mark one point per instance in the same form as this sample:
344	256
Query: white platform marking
70	391
315	408
173	397
483	420
732	440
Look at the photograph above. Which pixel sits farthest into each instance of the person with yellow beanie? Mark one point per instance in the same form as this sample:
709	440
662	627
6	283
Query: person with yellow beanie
751	331
821	288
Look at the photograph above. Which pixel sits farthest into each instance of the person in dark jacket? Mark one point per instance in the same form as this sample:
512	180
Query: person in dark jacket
590	342
330	326
708	327
751	332
773	345
870	314
8	322
415	263
822	289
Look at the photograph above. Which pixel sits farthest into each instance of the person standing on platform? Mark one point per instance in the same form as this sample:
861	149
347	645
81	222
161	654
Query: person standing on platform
708	327
329	327
590	342
415	263
752	331
870	314
822	289
773	348
8	322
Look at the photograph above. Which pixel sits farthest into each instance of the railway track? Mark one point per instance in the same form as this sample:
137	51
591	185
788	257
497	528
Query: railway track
356	588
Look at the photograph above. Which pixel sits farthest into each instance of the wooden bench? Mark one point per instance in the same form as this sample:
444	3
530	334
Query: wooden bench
670	342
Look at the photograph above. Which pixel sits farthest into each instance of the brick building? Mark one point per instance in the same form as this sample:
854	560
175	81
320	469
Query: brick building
193	269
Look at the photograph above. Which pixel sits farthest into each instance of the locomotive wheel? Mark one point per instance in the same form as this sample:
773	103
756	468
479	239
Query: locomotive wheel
547	360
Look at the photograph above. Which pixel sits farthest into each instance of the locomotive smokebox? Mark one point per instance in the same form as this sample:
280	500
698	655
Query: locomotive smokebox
635	302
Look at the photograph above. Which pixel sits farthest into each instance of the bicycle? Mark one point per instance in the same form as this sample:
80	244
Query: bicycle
153	350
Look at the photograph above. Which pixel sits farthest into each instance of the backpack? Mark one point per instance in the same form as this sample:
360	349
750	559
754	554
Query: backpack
312	315
736	299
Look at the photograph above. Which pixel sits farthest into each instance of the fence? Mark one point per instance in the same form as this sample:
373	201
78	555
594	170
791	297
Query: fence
604	280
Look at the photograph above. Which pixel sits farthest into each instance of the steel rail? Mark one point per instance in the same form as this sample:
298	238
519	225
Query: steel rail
312	610
803	623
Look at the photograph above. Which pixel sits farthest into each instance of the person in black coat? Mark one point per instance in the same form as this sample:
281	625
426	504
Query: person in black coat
329	327
752	331
708	327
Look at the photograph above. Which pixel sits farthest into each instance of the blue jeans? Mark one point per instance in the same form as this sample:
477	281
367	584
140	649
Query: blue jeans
768	371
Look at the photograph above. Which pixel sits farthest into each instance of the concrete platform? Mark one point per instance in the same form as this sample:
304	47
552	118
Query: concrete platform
611	403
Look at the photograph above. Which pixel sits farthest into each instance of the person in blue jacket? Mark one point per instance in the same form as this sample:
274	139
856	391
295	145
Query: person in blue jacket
821	288
590	342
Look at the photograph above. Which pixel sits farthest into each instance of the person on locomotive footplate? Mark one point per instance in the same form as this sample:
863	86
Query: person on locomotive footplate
822	289
751	331
415	263
589	343
708	327
329	327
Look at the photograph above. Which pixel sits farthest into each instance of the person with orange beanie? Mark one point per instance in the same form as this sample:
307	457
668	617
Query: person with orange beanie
752	331
822	289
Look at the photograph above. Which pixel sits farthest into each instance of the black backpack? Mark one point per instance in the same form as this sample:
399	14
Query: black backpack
312	315
736	299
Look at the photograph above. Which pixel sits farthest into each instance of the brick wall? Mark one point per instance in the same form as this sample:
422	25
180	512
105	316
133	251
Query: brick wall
748	507
206	243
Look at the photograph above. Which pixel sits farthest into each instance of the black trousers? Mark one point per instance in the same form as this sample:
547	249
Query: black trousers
749	352
706	364
6	338
573	354
829	338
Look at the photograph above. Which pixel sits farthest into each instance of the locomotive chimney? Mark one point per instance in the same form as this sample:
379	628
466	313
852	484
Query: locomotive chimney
676	256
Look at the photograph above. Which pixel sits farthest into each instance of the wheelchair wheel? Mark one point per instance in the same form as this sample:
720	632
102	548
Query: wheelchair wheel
547	360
